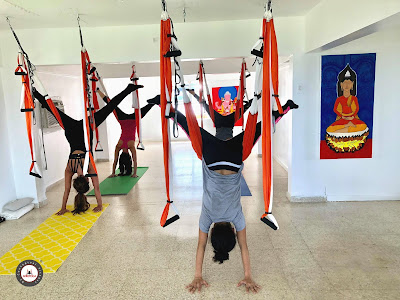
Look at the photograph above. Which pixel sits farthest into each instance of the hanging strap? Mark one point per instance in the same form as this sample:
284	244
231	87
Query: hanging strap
268	56
87	113
204	91
136	105
201	93
242	91
165	102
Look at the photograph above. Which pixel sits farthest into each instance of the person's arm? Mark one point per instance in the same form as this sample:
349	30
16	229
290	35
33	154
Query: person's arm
247	281
116	153
198	280
67	188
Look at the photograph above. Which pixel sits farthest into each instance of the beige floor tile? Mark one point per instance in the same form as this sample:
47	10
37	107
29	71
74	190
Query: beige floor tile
322	251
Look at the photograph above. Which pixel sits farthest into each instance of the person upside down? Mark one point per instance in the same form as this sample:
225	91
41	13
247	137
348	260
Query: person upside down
222	165
224	124
127	139
75	137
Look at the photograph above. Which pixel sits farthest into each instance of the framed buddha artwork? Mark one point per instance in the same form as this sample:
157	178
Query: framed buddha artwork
347	105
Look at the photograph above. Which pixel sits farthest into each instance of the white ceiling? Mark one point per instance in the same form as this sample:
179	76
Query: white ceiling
62	13
149	69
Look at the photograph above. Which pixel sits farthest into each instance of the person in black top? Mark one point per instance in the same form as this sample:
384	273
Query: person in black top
76	139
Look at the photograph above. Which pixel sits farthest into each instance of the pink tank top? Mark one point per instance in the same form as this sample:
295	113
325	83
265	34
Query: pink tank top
128	128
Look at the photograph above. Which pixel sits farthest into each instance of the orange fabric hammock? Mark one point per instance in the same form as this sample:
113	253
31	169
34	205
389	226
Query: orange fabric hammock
88	110
242	90
165	102
28	108
270	74
204	89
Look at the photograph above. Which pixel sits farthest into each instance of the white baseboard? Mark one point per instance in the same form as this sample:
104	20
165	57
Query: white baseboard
342	198
279	161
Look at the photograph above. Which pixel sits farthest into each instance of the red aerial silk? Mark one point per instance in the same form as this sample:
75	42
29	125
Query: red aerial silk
85	67
28	108
204	89
138	117
242	90
270	73
194	130
249	133
165	96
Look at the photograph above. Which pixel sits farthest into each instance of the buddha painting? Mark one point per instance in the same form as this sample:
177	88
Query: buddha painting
348	133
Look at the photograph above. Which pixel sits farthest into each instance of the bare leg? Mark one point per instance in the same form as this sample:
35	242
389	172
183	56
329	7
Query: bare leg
131	146
96	185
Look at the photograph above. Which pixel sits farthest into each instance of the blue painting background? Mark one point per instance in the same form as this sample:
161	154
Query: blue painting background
230	89
364	66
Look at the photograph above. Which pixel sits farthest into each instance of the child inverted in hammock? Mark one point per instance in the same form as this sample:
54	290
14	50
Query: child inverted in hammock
127	138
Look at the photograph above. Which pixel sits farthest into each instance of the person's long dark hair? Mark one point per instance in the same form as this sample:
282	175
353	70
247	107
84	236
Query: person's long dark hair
125	164
223	240
347	74
81	204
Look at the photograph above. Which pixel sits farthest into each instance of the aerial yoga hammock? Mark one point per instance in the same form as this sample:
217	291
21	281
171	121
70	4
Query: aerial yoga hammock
26	70
266	48
128	123
266	71
224	123
79	133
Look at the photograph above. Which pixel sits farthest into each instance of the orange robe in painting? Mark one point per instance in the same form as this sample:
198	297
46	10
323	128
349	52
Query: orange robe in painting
347	107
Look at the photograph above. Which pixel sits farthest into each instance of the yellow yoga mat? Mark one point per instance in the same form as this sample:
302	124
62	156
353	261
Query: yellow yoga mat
51	243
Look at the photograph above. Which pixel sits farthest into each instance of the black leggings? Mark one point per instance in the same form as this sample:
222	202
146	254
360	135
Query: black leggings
216	150
74	128
124	116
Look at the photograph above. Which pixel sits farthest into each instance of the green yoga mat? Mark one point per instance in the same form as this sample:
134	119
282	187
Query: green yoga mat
120	185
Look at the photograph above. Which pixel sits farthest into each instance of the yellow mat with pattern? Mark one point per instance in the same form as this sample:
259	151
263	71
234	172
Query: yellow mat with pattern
51	243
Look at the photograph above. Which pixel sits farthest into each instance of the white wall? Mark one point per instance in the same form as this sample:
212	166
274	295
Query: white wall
331	20
56	145
283	134
348	179
57	46
7	186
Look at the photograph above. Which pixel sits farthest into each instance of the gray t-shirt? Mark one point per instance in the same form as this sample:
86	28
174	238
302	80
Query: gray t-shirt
221	199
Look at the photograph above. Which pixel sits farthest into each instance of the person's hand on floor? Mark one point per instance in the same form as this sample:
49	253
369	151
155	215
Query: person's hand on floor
134	176
98	208
196	284
112	175
250	285
62	211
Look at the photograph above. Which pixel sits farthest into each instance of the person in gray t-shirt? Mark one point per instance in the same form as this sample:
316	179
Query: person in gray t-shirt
222	162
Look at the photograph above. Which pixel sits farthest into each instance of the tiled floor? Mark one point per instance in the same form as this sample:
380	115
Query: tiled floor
322	251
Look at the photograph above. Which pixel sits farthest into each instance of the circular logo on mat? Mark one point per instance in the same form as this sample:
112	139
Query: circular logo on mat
29	273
